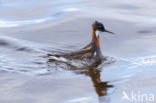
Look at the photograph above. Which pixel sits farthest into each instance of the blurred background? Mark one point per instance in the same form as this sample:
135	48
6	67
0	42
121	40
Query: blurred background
30	29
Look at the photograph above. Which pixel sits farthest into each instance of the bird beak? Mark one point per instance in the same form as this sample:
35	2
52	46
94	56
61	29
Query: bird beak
108	32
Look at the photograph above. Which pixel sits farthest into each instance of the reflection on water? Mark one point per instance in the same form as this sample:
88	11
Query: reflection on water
100	87
93	71
31	29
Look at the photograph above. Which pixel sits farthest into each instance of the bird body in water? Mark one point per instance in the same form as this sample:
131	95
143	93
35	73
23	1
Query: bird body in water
92	50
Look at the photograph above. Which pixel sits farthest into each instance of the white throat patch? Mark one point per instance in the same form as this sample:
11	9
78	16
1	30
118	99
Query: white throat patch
97	33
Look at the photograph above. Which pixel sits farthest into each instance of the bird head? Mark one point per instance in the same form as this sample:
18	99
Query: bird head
99	27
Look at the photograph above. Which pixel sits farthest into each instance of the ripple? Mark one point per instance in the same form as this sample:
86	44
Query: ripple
20	45
45	11
21	23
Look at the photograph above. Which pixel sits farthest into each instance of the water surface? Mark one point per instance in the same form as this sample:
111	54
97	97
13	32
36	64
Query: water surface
30	29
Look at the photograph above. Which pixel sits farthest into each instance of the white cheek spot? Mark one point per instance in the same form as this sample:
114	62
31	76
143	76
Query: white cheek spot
97	33
95	54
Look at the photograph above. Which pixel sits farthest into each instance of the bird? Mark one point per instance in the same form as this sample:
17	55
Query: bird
92	50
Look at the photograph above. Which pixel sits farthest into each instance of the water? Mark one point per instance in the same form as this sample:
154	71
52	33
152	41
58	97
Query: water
29	30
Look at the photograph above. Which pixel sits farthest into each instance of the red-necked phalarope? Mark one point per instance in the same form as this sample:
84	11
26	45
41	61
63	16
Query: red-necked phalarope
91	50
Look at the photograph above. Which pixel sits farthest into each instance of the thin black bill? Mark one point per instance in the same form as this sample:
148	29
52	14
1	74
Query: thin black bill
109	32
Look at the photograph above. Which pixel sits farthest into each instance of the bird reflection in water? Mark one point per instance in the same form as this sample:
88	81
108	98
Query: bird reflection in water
93	72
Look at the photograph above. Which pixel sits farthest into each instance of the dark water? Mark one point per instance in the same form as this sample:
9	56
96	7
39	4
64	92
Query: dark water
30	29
